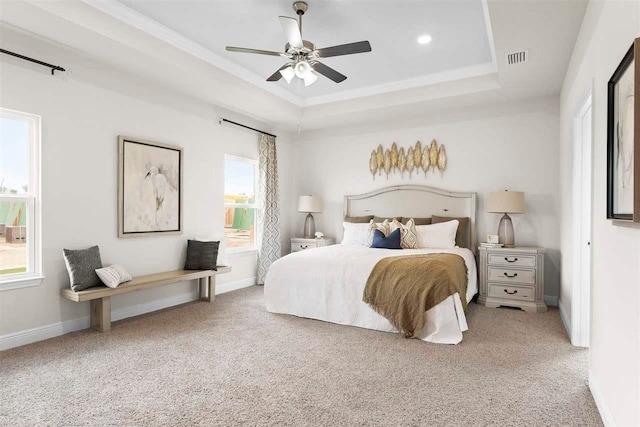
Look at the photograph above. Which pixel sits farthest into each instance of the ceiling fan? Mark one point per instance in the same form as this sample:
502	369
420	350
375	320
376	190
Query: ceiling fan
303	54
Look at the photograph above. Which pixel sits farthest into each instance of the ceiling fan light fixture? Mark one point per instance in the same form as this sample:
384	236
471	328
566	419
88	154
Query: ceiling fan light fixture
288	74
310	78
302	69
302	55
424	39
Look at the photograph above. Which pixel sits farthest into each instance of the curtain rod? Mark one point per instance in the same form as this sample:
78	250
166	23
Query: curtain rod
222	119
26	58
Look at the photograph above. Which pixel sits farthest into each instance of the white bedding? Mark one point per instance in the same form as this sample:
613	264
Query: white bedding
327	283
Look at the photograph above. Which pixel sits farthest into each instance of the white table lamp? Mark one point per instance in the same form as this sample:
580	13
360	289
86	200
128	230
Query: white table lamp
506	202
309	204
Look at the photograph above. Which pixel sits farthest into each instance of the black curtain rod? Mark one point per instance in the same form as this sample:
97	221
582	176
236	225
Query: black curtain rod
246	127
26	58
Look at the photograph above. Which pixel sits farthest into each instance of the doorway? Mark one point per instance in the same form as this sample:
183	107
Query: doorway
582	215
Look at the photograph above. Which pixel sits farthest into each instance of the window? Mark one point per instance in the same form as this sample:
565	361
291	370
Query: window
240	207
20	263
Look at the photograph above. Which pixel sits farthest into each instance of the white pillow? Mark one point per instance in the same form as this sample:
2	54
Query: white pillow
440	235
113	275
222	260
355	233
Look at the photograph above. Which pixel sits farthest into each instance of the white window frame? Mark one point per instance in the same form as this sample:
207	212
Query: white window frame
254	206
33	275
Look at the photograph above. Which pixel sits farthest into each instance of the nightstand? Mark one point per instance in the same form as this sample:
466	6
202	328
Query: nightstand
512	277
300	244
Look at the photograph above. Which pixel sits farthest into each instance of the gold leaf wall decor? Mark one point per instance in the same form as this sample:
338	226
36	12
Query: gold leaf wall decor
433	154
442	159
425	160
380	159
417	155
402	161
373	163
394	155
387	162
410	161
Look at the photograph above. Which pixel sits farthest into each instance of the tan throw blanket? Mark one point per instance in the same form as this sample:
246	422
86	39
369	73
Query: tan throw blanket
402	288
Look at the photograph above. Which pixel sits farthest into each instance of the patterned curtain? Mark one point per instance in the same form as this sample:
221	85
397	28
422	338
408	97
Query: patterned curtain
269	212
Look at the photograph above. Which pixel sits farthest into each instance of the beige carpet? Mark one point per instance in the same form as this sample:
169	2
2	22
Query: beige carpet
232	363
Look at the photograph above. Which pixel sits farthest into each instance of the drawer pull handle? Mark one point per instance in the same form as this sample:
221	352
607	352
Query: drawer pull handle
305	247
510	277
511	260
511	293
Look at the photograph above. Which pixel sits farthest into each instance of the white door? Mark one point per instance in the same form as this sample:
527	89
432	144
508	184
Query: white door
582	213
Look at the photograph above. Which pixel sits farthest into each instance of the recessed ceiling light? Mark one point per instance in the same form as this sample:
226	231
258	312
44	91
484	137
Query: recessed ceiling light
424	39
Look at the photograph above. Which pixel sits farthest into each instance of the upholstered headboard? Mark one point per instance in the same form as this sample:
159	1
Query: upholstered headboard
418	201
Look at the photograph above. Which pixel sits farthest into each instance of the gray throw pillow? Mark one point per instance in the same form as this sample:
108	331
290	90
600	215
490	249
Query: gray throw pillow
416	221
378	219
358	219
201	255
81	265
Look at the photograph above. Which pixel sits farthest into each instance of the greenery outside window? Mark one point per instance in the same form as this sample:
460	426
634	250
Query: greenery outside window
240	205
20	225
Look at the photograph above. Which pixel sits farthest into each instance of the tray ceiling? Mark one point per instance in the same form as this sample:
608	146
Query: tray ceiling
461	43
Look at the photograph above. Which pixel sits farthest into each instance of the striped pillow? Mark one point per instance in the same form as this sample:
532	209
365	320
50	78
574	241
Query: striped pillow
113	275
408	234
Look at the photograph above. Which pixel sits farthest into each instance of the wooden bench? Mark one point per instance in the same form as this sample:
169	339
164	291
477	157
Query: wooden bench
100	296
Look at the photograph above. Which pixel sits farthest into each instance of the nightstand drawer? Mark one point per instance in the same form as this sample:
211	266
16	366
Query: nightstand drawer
295	247
513	260
497	274
523	293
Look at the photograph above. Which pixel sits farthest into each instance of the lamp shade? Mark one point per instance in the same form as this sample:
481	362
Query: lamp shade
310	79
288	74
302	68
309	204
506	202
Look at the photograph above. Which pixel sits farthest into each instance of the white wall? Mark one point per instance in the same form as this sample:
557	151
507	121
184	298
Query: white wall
82	116
512	146
607	32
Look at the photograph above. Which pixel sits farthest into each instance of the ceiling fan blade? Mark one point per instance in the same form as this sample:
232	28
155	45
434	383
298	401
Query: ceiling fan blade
258	51
292	31
328	72
344	49
277	75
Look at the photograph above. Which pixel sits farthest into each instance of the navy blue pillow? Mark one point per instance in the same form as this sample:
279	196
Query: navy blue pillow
392	241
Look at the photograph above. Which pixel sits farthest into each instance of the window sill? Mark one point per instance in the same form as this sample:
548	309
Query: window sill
241	252
23	282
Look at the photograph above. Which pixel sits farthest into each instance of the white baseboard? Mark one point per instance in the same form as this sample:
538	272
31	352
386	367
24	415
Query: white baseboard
53	330
603	408
565	321
41	333
551	300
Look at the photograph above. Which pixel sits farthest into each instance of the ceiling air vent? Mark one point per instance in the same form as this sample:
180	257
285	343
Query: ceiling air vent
517	57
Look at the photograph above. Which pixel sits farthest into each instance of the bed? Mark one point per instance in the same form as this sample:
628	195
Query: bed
327	283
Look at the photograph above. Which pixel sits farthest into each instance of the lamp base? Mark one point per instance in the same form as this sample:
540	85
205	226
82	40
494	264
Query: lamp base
309	227
506	234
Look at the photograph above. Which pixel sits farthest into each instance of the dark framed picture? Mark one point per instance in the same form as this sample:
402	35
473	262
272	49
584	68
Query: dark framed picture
149	188
623	139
